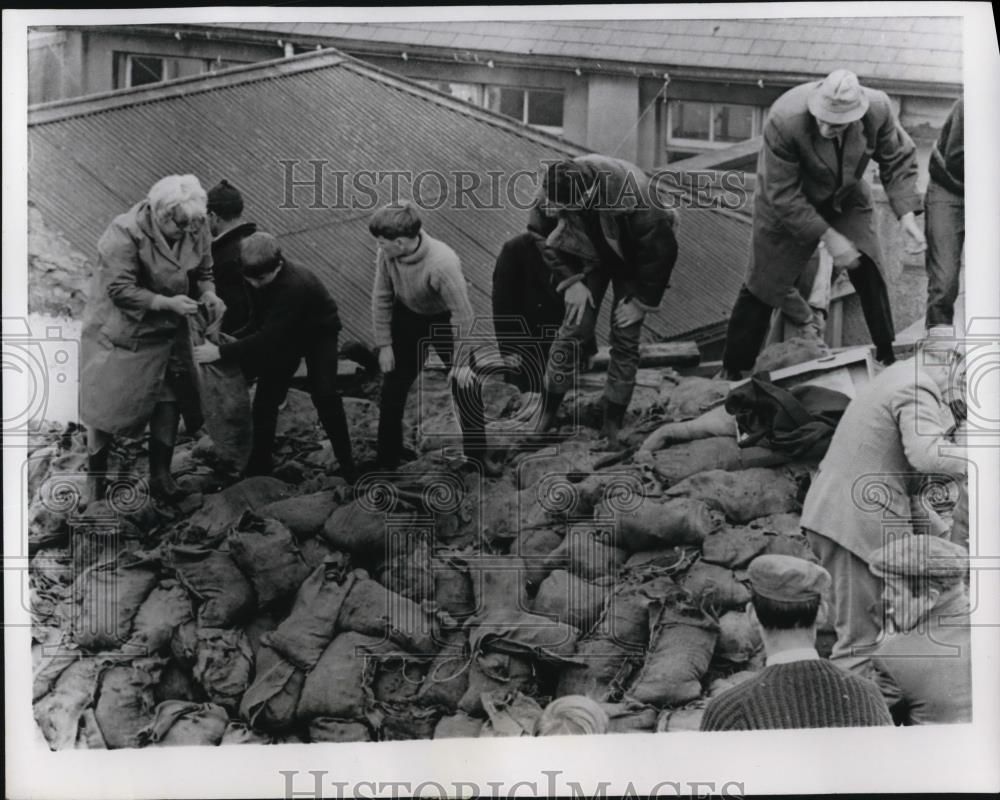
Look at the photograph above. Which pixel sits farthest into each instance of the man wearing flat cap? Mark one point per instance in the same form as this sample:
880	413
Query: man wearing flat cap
796	689
818	140
892	436
924	666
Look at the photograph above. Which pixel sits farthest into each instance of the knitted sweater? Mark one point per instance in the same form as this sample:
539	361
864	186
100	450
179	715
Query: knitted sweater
801	694
947	164
428	281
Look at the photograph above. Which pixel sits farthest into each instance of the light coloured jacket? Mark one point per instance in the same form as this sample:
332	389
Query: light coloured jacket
889	438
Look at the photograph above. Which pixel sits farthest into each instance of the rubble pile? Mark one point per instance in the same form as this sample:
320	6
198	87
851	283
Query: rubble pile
426	603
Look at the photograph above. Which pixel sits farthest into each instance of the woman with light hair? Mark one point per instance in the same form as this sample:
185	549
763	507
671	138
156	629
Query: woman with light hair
573	714
135	364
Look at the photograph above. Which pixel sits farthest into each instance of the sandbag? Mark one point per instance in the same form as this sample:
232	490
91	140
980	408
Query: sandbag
266	552
655	524
789	523
325	729
49	661
239	733
221	510
680	461
739	640
453	588
176	683
397	680
789	353
110	595
630	718
490	671
717	586
687	718
509	713
339	684
734	546
500	582
458	726
303	515
570	600
742	496
602	672
166	608
58	713
373	610
357	530
626	617
184	644
790	544
223	395
223	666
407	568
399	723
213	577
588	555
523	634
315	551
125	703
562	459
693	396
177	723
682	645
447	678
89	736
310	627
270	701
535	546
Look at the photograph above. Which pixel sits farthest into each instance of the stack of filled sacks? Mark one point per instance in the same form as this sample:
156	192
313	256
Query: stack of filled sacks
437	605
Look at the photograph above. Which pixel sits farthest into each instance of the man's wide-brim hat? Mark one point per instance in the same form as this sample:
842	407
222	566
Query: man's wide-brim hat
838	99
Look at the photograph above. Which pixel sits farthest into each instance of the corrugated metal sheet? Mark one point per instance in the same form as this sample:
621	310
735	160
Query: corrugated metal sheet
925	49
89	161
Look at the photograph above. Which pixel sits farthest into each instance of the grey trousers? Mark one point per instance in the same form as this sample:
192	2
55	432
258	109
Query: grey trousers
853	602
945	228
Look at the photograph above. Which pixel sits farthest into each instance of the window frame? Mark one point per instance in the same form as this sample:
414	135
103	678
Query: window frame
483	91
671	142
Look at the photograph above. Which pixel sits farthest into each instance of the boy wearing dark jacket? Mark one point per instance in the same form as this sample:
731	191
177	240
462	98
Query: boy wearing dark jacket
297	318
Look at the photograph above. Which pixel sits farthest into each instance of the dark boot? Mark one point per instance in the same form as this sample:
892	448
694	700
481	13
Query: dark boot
550	407
162	436
614	417
97	482
330	410
884	355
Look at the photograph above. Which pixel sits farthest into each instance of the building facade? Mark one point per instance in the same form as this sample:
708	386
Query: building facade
653	92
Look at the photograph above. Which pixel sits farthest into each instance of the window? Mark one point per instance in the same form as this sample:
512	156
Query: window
540	108
140	69
692	123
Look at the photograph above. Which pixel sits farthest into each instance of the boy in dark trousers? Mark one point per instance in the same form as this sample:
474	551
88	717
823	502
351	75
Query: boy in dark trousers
420	297
297	318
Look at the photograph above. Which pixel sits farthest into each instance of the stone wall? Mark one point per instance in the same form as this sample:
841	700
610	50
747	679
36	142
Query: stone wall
58	275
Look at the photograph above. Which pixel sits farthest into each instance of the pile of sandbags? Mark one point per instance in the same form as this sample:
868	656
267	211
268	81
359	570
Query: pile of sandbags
439	604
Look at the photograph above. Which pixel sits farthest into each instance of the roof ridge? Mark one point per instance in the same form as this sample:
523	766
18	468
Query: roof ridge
58	110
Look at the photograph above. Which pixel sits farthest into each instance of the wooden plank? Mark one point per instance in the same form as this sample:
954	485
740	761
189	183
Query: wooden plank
654	354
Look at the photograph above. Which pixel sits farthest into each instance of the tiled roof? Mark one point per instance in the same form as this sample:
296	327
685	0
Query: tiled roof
90	159
912	49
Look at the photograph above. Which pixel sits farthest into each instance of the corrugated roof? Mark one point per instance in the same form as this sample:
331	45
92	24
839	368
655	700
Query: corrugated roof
91	159
921	49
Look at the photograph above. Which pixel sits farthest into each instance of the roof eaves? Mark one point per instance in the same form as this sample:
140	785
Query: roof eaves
117	98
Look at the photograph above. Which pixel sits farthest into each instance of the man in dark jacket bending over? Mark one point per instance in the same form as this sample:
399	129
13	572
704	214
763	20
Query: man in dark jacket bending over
297	318
600	224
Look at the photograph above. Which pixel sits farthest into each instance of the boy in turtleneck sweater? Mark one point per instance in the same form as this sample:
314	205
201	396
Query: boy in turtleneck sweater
420	297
